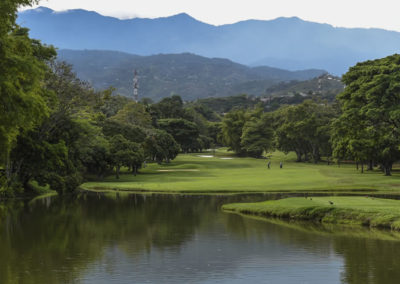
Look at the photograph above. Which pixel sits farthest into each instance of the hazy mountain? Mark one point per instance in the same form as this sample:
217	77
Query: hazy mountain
188	75
288	43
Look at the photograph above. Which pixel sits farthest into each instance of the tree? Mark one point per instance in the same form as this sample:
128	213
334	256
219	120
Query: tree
183	131
232	130
113	104
171	107
214	131
93	149
304	129
55	151
45	159
371	99
135	114
112	127
160	146
125	153
257	135
22	69
22	95
8	14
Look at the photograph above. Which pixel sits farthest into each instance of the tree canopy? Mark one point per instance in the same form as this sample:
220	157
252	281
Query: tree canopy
368	128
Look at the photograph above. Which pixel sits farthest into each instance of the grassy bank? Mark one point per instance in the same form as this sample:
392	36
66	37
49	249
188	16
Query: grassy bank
224	173
330	229
367	211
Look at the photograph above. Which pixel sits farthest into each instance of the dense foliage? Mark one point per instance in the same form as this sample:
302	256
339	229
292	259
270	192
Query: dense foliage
302	128
368	128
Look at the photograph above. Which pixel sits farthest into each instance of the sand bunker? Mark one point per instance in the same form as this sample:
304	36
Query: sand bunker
226	158
179	170
205	156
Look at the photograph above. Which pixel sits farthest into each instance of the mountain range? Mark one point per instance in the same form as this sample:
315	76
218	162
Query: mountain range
286	43
191	76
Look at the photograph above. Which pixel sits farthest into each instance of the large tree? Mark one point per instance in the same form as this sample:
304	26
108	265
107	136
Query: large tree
258	135
55	151
184	132
125	153
368	127
160	146
232	130
304	129
22	69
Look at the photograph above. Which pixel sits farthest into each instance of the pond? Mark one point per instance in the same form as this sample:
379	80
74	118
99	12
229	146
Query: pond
131	238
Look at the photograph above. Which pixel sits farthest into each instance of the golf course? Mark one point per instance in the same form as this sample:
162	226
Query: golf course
222	173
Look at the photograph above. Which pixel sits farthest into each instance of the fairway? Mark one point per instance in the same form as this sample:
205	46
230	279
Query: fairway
368	211
225	173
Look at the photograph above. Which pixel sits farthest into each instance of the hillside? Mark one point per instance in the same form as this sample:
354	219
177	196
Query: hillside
188	75
286	43
324	85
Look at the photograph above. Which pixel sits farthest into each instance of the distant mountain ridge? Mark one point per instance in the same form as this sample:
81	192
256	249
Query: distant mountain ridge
286	43
188	75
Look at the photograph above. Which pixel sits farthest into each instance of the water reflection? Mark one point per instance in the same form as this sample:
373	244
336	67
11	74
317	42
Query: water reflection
170	239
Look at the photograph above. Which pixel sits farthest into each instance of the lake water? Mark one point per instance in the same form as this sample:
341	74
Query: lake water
181	239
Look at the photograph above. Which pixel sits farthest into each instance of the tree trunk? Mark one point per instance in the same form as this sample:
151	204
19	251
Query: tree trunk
315	154
8	168
370	165
117	172
357	166
362	168
387	169
298	156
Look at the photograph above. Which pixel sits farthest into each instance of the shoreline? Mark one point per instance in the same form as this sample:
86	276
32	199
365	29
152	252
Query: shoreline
367	211
289	193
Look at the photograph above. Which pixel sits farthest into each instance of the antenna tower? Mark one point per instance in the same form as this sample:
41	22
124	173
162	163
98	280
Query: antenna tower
135	87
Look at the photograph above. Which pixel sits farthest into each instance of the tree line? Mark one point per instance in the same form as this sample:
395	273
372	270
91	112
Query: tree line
361	125
78	133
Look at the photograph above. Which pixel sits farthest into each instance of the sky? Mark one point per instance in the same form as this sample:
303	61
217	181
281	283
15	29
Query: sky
341	13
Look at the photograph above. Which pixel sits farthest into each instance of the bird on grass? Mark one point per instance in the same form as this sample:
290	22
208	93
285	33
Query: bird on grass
330	202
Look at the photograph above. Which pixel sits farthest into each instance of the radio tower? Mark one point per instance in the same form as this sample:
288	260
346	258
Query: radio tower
135	87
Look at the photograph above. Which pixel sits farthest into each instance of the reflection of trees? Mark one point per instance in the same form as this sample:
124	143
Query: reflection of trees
369	261
370	256
275	229
52	242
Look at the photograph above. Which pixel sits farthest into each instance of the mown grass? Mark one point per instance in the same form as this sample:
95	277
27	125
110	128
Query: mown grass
190	173
367	211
